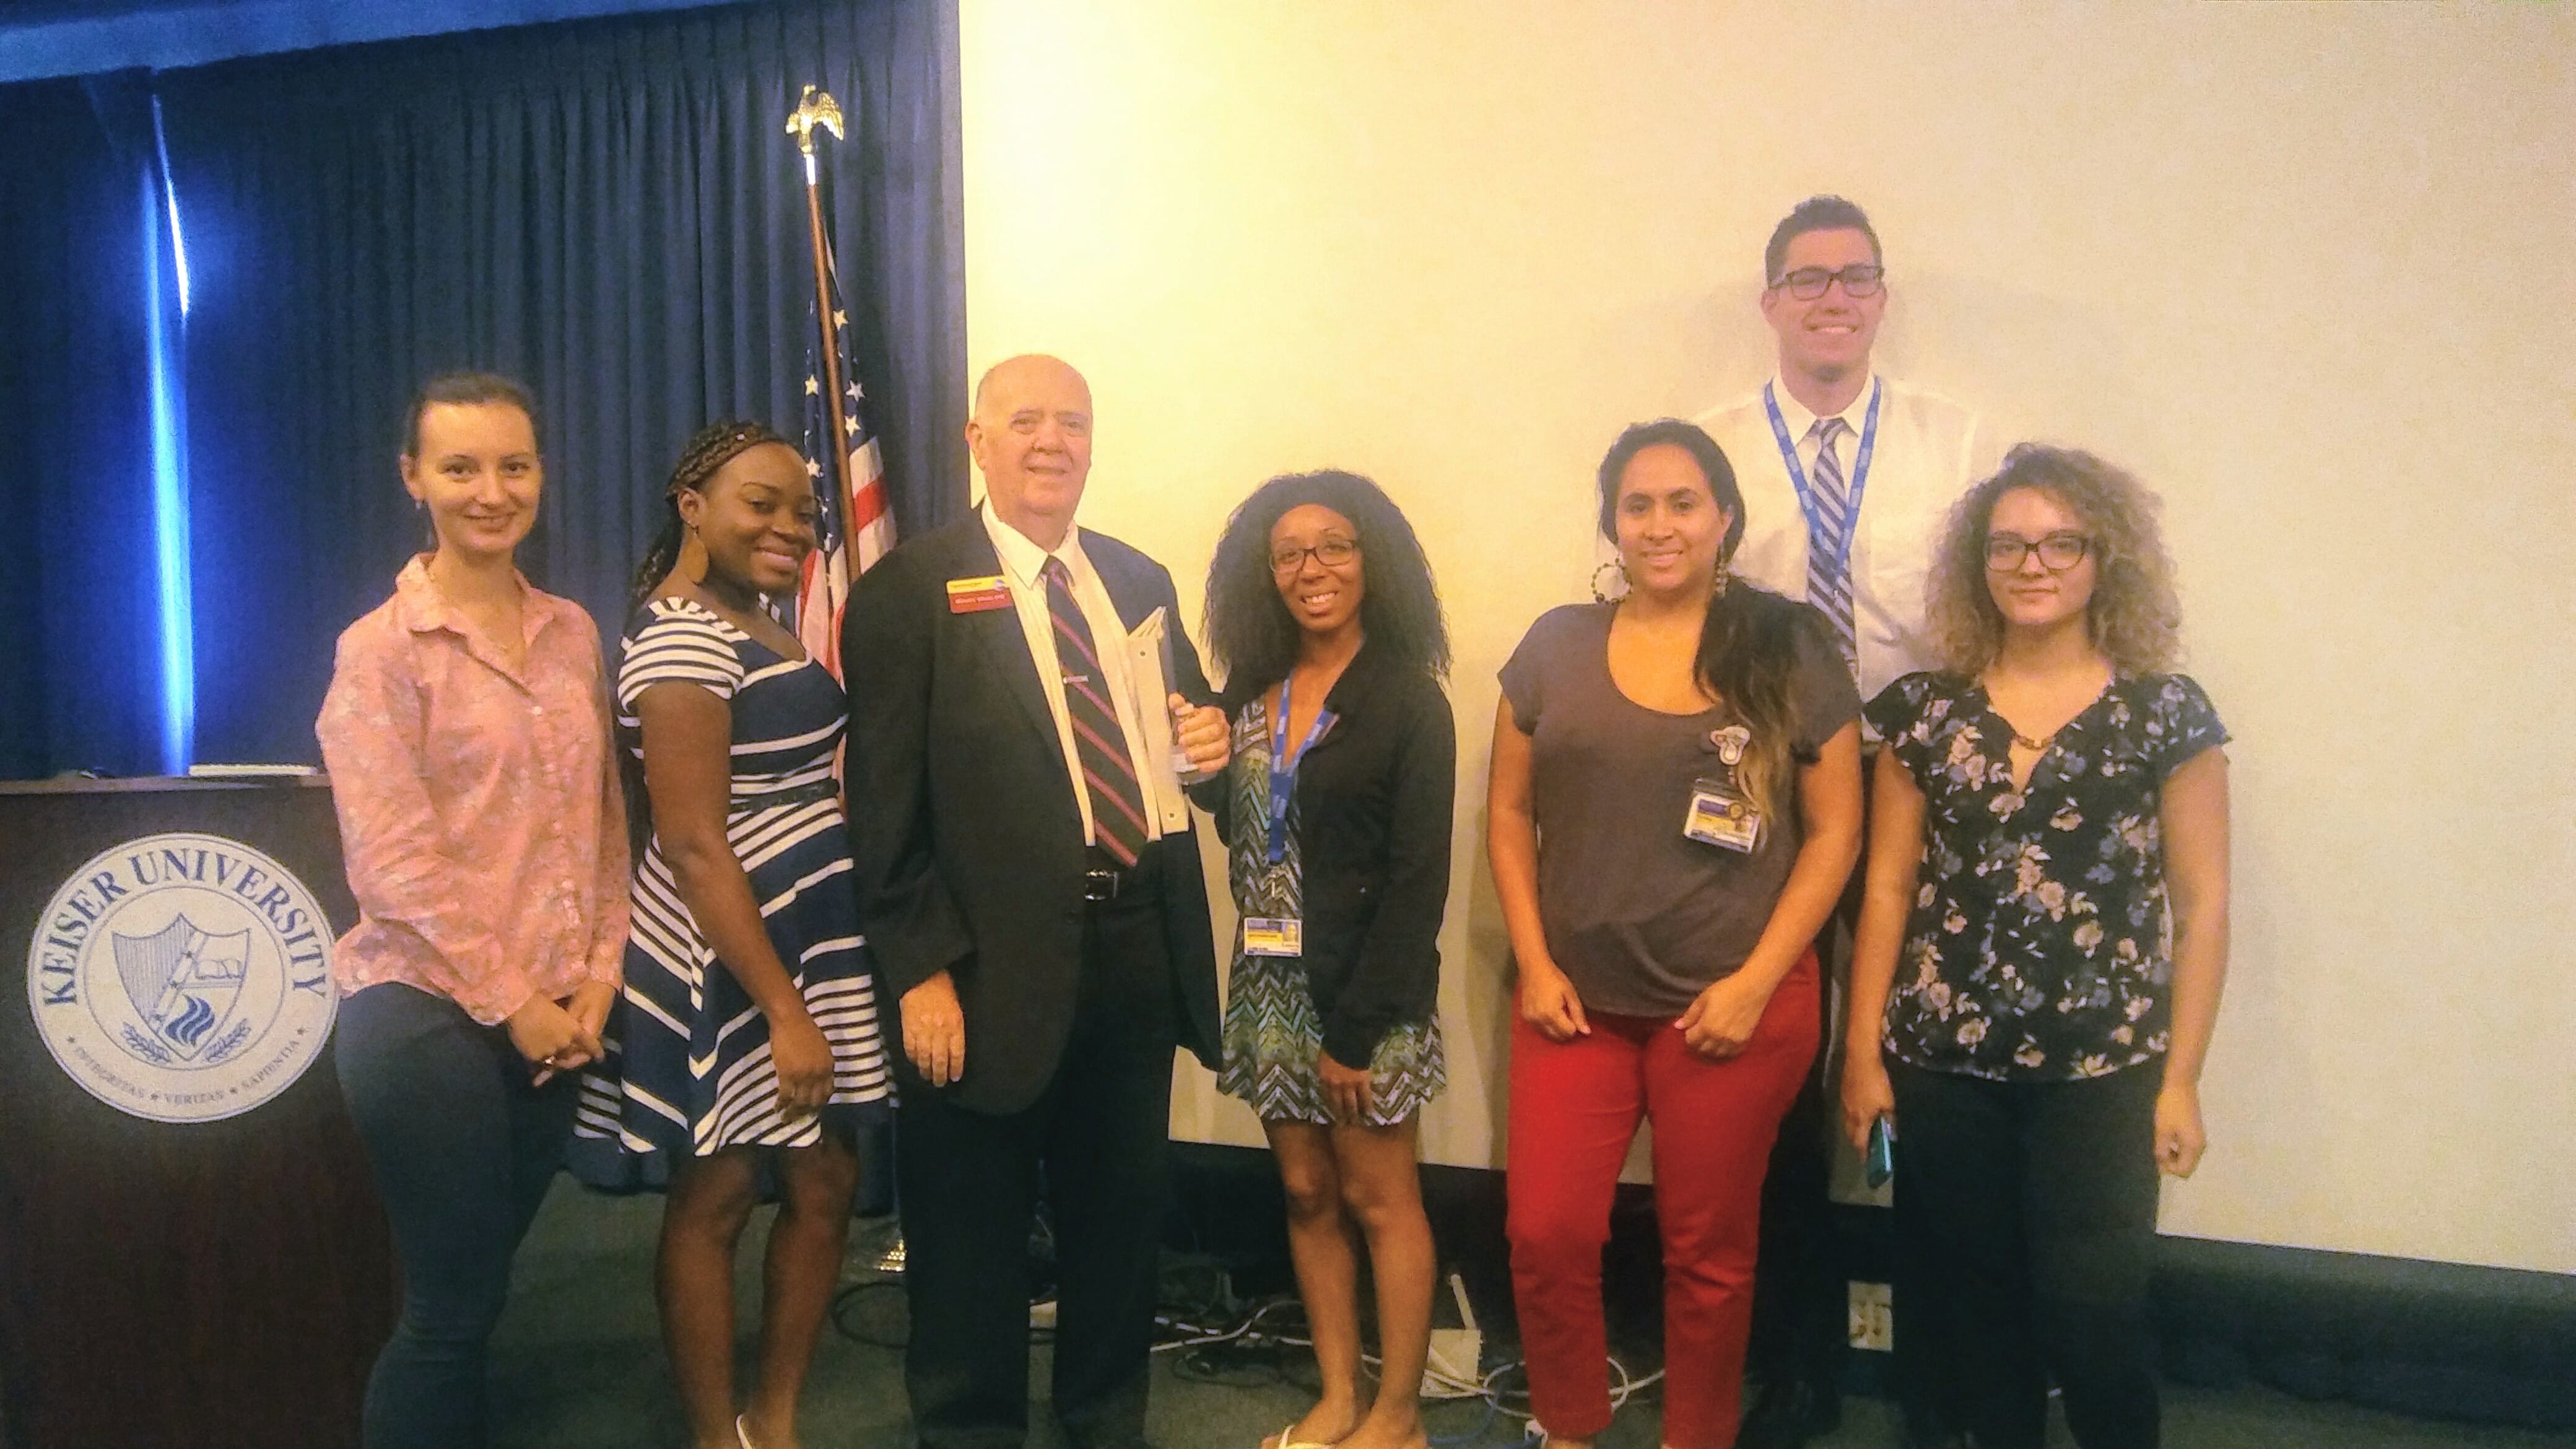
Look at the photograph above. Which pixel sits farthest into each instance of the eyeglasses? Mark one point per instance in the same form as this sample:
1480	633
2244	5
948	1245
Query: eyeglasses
1332	553
2057	553
1860	279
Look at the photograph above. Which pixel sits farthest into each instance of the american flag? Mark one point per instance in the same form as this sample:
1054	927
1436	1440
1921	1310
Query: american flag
855	530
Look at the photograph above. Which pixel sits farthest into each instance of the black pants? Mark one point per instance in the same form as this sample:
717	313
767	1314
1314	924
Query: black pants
2028	1210
968	1182
463	1151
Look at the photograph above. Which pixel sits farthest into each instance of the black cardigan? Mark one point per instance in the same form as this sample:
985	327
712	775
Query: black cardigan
1374	803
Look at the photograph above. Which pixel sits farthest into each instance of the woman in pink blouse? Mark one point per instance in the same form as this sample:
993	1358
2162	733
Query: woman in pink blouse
466	733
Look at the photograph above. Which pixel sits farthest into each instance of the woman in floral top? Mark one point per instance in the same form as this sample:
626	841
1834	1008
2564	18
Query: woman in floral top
2041	948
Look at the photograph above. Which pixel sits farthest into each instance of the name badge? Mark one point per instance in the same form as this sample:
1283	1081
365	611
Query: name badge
975	596
1719	816
1273	936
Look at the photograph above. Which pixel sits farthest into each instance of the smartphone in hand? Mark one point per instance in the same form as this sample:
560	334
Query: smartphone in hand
1880	1160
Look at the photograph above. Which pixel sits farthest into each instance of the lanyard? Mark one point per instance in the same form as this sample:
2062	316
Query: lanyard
1283	769
1798	474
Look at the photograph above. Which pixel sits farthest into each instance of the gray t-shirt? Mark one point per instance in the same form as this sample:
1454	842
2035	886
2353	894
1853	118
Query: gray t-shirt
1640	916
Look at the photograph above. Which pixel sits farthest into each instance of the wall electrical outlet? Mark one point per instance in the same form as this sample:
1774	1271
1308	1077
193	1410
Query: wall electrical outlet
1873	1317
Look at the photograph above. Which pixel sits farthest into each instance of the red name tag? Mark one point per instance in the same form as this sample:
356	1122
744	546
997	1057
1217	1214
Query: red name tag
974	596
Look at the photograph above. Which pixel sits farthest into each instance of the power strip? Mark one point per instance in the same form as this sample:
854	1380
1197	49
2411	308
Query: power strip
1456	1366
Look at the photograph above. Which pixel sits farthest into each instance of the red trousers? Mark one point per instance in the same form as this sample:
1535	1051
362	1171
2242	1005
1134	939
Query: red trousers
1574	1111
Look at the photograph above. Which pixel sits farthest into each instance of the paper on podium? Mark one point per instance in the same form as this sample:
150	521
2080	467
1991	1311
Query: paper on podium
1149	669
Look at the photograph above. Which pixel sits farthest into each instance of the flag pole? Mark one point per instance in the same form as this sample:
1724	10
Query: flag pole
816	110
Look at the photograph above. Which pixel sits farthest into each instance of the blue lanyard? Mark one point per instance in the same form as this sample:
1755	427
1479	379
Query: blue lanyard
1283	769
1798	474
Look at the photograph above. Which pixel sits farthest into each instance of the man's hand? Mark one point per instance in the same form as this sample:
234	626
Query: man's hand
1206	741
934	1030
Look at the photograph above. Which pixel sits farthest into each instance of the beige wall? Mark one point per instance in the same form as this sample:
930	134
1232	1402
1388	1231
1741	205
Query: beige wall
2307	268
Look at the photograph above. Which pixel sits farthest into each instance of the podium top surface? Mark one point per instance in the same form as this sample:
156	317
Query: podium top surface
156	784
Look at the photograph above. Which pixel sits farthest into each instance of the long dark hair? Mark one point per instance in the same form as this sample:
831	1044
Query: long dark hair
465	388
1751	640
710	448
1249	632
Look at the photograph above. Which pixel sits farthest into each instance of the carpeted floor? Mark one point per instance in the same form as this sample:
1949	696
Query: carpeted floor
578	1365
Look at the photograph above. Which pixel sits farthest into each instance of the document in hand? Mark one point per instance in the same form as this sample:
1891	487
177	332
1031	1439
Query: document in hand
1149	669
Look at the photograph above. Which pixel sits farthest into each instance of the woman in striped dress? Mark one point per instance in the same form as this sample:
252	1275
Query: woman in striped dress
747	1037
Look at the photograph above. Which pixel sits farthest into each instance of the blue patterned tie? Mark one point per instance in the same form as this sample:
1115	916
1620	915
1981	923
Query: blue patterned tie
1828	572
1117	801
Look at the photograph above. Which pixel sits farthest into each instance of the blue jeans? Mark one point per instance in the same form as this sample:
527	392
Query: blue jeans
463	1150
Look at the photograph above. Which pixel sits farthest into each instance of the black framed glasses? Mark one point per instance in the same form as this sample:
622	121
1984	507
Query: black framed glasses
1332	553
1860	279
2057	553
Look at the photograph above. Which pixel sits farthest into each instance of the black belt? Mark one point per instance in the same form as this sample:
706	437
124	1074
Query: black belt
1104	879
798	795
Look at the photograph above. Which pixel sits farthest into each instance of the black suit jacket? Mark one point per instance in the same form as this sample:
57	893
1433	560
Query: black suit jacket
1374	802
963	822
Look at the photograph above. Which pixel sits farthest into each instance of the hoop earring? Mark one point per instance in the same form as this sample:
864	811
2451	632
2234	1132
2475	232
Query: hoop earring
1599	597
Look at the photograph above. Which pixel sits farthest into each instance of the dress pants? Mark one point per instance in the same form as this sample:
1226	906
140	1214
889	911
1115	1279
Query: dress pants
968	1183
2033	1207
1574	1111
463	1150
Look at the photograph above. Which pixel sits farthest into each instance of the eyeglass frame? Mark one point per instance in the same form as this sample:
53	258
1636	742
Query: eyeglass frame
1293	560
2025	549
1823	281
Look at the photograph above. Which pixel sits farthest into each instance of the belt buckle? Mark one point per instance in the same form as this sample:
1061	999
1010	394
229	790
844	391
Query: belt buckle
1099	885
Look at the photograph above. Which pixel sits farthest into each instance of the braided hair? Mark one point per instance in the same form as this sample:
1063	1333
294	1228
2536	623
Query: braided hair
710	448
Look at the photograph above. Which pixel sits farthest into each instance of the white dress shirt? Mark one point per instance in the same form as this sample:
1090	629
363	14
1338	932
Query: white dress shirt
1924	459
1021	561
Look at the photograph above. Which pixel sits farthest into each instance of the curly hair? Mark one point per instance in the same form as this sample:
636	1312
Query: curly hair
1248	629
710	448
2134	618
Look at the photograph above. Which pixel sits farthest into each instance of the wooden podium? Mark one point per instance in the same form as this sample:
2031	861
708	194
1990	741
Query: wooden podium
201	1283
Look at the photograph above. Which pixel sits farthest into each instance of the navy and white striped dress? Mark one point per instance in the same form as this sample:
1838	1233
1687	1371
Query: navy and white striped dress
688	1068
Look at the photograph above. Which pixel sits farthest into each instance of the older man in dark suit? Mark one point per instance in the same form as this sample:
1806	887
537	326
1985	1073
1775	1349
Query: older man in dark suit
1036	908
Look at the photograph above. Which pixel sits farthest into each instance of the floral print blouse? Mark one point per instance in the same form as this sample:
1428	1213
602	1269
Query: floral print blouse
2040	943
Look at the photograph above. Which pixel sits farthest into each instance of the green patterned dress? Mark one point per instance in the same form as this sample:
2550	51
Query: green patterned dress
1272	1031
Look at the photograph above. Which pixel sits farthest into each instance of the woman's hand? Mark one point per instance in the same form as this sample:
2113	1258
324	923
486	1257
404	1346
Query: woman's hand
803	1060
2179	1138
1722	1018
1867	1095
1346	1089
590	1005
1548	1002
551	1039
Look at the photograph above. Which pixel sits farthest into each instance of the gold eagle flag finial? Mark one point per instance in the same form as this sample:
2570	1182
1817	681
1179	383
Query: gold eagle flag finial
815	109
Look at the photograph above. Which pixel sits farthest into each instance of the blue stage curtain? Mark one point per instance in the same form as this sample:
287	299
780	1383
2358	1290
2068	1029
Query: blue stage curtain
81	683
609	210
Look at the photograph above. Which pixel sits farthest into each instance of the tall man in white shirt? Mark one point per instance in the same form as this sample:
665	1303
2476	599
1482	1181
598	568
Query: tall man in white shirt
1038	918
1847	475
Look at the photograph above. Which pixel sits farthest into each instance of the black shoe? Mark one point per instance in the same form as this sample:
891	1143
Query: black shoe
1786	1414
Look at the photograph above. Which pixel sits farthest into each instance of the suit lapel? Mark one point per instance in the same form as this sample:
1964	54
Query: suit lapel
997	635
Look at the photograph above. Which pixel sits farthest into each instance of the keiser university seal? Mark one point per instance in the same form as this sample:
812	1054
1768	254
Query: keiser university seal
182	977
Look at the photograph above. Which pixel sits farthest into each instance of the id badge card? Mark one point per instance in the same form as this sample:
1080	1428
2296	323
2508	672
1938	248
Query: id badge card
1721	817
1273	936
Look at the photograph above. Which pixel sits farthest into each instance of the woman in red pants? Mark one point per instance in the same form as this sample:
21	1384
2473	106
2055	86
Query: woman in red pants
1675	807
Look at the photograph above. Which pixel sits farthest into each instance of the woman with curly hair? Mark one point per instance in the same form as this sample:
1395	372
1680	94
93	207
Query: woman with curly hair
744	1055
1336	817
2048	868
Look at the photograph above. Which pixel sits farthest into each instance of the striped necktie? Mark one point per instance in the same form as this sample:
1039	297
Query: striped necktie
1117	800
1828	528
